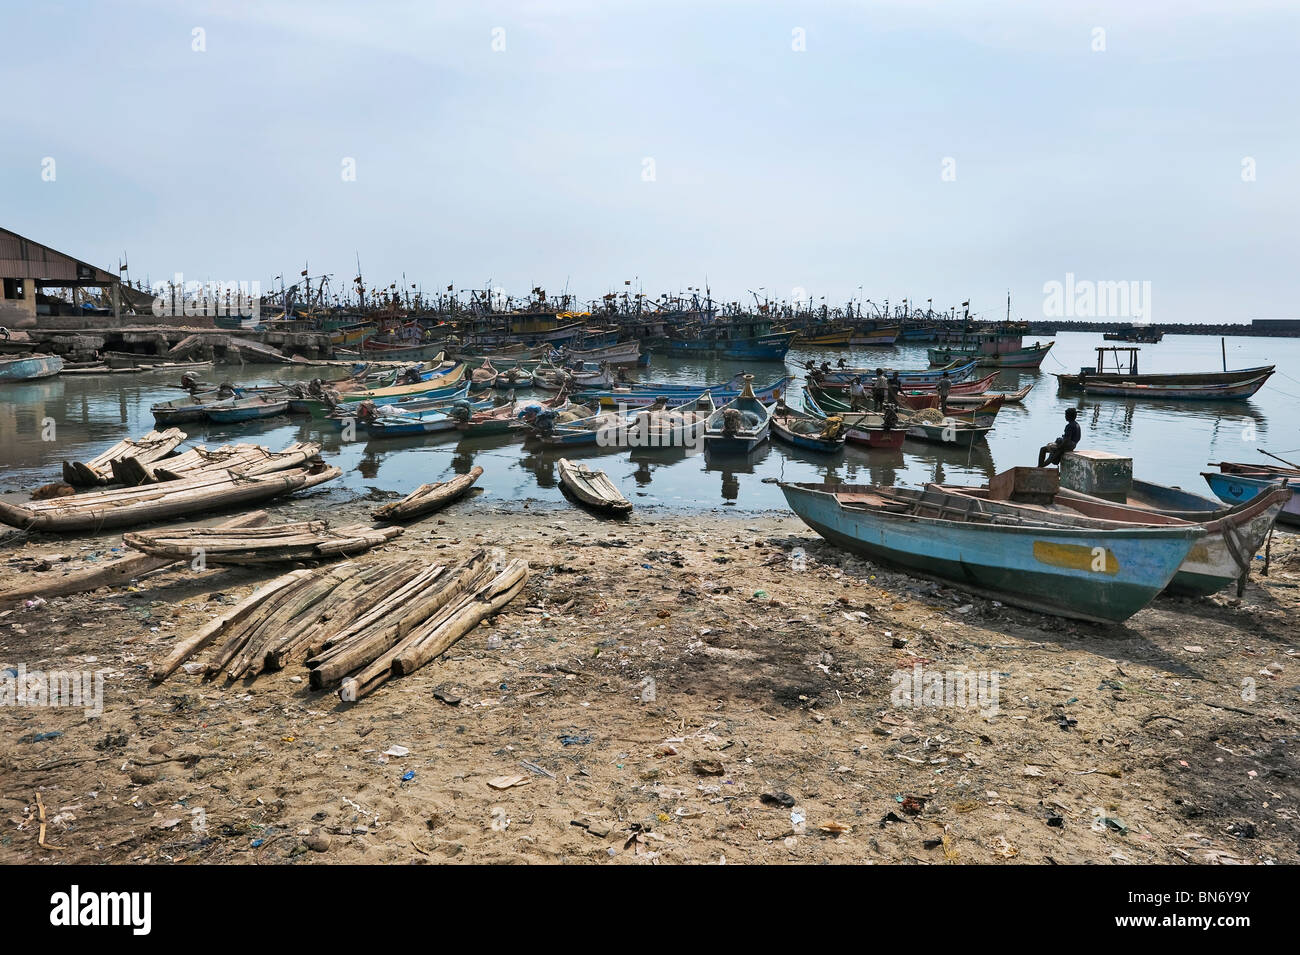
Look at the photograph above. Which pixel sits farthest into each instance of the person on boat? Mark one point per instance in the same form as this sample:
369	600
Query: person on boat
857	395
943	388
895	387
842	364
879	386
1068	441
826	368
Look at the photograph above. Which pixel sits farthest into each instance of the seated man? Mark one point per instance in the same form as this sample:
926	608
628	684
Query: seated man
1068	441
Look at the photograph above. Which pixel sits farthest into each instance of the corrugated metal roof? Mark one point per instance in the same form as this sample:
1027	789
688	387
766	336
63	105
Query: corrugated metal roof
24	259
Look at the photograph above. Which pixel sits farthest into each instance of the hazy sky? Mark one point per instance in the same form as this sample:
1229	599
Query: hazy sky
821	168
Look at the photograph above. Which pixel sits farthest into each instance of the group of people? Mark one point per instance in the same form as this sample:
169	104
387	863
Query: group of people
884	398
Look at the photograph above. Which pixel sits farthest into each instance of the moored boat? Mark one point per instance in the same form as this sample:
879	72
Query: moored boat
740	425
247	409
823	435
27	367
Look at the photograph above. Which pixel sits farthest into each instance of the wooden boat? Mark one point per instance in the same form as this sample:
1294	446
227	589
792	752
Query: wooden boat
858	431
246	459
193	407
512	378
1238	488
600	428
1235	385
678	427
953	431
592	488
428	498
977	387
1220	559
485	375
877	337
121	507
441	385
623	353
99	469
1079	569
1030	356
247	409
283	543
27	367
550	378
823	435
839	379
824	338
740	425
988	403
642	396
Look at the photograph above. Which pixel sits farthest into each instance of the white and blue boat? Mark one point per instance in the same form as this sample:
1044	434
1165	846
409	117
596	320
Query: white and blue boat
1239	488
1087	571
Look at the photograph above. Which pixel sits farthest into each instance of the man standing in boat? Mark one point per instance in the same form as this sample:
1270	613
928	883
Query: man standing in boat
943	387
858	395
878	388
1068	441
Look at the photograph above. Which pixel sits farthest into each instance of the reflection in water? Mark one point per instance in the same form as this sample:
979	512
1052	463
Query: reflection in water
1170	441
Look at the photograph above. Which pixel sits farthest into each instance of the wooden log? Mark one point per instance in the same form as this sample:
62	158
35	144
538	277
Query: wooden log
191	645
434	638
110	575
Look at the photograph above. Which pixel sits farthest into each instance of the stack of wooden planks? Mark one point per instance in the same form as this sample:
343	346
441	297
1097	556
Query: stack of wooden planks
247	459
283	543
101	468
354	624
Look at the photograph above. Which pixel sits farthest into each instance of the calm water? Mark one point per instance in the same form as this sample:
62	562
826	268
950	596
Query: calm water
1170	442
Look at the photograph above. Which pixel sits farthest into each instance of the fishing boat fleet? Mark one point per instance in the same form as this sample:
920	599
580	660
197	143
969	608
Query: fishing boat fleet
1045	540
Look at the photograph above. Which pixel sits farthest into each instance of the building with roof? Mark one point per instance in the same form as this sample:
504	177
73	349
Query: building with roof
28	267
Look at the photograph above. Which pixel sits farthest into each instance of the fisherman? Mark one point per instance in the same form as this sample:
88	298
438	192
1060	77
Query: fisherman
943	388
878	388
1068	441
857	395
895	387
826	368
842	364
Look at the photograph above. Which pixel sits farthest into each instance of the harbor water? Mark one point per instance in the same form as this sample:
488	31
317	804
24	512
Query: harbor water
45	422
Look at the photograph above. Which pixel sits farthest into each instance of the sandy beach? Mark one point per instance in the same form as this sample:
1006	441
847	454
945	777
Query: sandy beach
677	688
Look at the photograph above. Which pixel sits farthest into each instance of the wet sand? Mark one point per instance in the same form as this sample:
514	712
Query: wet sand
770	735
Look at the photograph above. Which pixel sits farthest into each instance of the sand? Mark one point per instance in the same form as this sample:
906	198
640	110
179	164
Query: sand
677	688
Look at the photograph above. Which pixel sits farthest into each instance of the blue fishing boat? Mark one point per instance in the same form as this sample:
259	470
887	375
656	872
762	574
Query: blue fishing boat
27	367
233	410
1239	488
741	339
740	425
640	396
1092	572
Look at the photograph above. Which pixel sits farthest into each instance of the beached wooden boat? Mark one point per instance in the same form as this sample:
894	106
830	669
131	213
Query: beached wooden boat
1219	560
246	459
27	367
740	425
99	469
592	488
823	435
124	507
428	498
282	543
251	408
1089	571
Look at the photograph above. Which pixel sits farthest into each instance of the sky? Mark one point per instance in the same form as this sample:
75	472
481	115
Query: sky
880	150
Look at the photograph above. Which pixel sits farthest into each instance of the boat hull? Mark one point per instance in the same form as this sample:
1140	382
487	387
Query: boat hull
30	367
1042	569
1238	489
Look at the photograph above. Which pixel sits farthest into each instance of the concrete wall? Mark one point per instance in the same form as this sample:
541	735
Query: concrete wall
19	313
